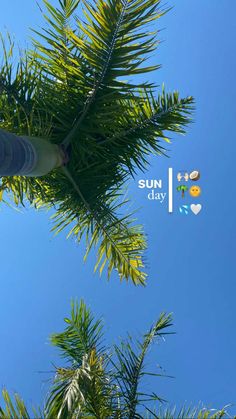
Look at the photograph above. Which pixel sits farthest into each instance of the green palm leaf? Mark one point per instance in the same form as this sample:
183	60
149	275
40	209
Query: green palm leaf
74	90
130	366
188	412
100	381
85	386
15	408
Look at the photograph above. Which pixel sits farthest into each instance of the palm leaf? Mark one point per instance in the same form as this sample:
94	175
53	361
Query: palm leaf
103	382
130	367
84	386
15	408
188	412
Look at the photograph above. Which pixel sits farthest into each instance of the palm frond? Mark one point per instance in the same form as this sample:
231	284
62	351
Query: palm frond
56	49
82	334
143	128
15	408
112	46
85	386
130	367
67	396
188	412
103	382
77	344
120	243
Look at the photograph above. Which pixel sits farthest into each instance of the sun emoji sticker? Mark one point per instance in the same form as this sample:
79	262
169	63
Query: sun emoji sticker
195	191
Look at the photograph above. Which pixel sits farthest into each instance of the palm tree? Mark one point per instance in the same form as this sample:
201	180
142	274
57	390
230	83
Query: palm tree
76	122
100	382
183	189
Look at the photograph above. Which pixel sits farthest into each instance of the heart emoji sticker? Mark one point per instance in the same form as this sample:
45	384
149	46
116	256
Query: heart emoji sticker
196	208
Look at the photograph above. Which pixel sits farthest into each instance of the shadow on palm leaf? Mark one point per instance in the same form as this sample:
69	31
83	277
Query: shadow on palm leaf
71	91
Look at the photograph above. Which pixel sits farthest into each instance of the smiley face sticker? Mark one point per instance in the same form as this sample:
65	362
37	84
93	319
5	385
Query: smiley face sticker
195	191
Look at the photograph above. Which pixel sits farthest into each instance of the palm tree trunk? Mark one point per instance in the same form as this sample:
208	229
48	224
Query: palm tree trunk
24	156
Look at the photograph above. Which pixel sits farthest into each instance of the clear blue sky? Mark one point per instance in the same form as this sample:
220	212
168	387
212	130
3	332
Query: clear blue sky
191	260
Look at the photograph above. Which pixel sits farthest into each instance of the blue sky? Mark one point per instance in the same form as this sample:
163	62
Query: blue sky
191	262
